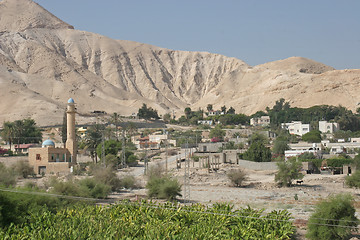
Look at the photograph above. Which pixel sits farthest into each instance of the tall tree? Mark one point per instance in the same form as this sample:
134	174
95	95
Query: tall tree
92	139
64	128
8	132
223	109
116	121
187	112
209	107
231	111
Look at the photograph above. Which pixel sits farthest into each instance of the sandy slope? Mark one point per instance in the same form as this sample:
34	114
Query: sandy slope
45	61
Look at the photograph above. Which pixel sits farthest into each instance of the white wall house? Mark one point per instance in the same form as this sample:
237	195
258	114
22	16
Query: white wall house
261	121
297	149
328	127
296	127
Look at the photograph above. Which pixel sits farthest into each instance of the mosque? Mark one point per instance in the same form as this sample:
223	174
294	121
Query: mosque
53	160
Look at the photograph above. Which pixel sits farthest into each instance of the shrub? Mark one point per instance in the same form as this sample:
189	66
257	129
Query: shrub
237	177
68	188
353	180
332	218
23	169
163	187
160	185
107	176
90	187
128	182
287	172
7	177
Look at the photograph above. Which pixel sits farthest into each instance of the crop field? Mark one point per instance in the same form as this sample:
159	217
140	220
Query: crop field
144	220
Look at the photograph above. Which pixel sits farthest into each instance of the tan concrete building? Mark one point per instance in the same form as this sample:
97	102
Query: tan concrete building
53	160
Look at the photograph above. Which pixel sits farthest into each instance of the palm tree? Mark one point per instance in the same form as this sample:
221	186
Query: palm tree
92	139
8	132
114	119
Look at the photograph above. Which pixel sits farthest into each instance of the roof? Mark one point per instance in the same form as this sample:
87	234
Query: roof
24	146
48	142
71	100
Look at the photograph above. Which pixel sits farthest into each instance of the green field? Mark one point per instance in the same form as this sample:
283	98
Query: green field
127	220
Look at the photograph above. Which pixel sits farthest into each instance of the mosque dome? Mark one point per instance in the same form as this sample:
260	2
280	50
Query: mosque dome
48	143
71	100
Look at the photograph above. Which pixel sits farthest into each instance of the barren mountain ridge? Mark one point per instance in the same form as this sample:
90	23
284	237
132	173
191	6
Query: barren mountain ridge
44	61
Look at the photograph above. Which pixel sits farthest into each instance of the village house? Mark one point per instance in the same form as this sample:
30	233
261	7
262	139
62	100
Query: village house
296	128
153	141
57	160
24	148
297	149
215	113
260	121
328	127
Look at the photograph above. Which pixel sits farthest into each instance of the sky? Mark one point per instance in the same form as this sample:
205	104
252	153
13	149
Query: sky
255	31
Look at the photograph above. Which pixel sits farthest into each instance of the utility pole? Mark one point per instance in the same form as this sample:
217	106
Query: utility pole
123	157
145	163
166	153
103	149
187	175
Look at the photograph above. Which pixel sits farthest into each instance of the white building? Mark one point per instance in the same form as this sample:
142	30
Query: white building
205	122
297	149
296	127
261	121
341	147
328	127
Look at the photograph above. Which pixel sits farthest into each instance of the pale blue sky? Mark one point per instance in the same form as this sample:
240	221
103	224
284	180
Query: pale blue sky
255	31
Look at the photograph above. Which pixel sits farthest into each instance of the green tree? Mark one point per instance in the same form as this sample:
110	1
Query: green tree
22	131
147	113
280	145
217	132
258	152
313	136
110	146
333	218
209	107
8	132
223	109
64	128
287	172
187	112
92	139
231	111
167	117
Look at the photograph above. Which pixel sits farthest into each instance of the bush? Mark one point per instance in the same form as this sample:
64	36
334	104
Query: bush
90	187
7	177
236	177
23	169
160	185
107	176
128	182
353	180
163	187
287	172
332	219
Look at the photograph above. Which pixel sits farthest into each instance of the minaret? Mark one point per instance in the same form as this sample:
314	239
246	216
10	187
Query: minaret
71	136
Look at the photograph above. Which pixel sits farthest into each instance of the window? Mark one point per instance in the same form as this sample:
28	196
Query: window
38	157
52	157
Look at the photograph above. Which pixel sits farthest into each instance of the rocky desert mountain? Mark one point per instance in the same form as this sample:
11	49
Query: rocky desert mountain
44	61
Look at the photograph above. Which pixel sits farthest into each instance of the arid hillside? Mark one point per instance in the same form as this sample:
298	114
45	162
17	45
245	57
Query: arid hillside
44	61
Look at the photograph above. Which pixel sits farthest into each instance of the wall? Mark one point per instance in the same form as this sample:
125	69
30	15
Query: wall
257	165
